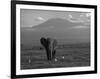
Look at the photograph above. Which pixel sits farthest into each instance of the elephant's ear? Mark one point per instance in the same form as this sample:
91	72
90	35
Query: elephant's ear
43	42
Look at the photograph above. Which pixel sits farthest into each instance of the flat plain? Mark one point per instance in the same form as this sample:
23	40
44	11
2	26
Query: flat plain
67	55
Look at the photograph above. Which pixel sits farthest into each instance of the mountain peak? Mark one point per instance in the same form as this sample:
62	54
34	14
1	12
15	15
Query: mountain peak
57	22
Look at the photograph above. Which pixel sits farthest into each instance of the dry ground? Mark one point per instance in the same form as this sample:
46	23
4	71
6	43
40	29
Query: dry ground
75	55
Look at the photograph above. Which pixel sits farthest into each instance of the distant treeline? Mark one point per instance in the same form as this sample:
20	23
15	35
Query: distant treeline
61	46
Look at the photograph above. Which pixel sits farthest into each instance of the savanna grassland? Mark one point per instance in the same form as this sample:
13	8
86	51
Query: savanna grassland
67	55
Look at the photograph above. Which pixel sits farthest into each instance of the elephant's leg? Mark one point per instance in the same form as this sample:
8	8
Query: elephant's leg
47	54
54	48
53	54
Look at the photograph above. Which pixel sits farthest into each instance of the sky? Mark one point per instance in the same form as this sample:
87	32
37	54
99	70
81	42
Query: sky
31	17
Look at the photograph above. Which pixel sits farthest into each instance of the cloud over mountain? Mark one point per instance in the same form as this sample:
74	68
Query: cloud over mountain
58	23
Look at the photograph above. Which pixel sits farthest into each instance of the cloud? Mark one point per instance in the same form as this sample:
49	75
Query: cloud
39	19
81	15
85	15
29	29
75	20
88	14
80	27
81	18
70	16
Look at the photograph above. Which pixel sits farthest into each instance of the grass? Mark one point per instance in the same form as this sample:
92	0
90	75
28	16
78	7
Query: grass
75	55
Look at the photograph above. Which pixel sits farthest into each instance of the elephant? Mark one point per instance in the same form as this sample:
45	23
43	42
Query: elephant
50	46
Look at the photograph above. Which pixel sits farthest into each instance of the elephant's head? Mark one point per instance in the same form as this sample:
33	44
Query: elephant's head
52	43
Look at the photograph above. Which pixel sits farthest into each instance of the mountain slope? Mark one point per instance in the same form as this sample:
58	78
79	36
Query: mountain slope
58	23
56	28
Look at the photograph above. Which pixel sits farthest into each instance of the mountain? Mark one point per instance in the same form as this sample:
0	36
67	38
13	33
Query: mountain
58	23
56	28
